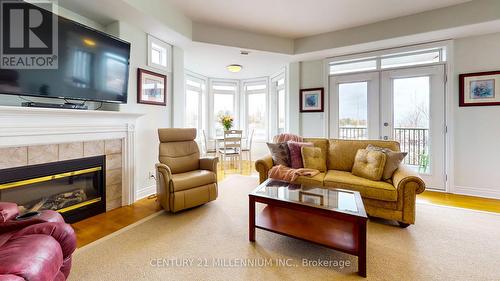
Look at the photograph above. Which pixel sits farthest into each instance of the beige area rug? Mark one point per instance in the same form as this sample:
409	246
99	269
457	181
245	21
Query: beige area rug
445	244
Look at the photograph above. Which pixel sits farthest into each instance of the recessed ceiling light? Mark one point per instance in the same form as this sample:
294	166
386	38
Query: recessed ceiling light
234	67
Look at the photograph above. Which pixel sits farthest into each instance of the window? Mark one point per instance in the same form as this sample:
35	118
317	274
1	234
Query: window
256	109
159	54
411	59
195	102
278	102
353	66
384	61
224	103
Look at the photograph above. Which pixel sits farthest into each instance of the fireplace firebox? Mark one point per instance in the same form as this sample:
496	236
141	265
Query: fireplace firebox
74	188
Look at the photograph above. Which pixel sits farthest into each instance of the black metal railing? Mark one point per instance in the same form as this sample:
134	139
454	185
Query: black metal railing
415	141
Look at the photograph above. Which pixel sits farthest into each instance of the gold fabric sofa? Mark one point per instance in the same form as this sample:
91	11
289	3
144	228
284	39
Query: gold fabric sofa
393	200
183	180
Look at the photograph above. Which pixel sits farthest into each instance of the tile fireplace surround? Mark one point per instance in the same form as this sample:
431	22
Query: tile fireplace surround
31	136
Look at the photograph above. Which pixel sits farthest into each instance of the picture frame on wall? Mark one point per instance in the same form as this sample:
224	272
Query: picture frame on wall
479	89
312	100
151	87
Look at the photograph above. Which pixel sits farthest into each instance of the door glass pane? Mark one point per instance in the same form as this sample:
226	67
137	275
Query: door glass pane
223	105
281	111
192	109
353	110
411	120
257	115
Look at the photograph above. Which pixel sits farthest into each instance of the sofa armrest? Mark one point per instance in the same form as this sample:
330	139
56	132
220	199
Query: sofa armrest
404	177
263	165
209	163
61	232
8	211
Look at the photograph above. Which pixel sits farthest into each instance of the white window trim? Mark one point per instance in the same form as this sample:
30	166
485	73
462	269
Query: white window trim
211	117
274	102
203	99
391	52
250	82
168	49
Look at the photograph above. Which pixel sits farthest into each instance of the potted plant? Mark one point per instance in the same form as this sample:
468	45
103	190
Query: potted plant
226	122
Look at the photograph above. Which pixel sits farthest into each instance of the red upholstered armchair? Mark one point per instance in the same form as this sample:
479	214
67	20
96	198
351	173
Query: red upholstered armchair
35	249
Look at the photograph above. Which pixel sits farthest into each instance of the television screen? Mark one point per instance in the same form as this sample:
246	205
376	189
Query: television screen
91	66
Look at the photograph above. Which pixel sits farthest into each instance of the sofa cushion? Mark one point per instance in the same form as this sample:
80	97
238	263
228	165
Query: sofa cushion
378	190
279	153
317	180
394	158
296	153
193	179
313	158
321	143
369	164
341	153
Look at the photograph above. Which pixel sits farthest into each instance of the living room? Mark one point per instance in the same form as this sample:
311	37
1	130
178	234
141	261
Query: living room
244	140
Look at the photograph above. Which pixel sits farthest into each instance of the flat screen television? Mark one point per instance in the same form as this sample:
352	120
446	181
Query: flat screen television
92	66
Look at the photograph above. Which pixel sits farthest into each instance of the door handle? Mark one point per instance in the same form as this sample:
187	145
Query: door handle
386	124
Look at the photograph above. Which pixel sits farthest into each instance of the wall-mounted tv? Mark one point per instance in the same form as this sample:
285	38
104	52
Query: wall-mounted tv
92	66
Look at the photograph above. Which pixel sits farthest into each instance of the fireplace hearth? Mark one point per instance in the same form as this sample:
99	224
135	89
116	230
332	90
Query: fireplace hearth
74	188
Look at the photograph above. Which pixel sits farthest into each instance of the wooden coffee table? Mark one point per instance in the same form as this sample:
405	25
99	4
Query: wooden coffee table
334	218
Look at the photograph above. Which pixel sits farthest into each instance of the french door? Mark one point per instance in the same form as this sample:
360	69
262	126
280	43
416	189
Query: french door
406	105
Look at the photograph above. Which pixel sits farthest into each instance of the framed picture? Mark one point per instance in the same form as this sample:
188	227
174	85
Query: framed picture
312	100
478	89
151	87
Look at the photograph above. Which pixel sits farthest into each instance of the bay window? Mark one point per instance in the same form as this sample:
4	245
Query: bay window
256	108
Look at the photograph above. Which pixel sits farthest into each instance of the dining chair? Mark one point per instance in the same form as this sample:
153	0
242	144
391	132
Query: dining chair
231	147
248	146
204	145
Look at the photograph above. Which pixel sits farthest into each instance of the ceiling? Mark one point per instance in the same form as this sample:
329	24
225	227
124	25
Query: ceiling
211	60
300	18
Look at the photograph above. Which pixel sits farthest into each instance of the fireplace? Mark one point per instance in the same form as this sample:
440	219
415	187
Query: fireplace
74	188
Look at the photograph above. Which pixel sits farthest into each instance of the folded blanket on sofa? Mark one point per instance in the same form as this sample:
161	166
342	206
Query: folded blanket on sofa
284	137
285	173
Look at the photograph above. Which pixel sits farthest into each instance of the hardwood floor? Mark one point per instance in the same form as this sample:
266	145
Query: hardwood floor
461	201
96	227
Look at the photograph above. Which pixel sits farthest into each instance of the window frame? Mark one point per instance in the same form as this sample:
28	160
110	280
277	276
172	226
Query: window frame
246	93
202	90
274	89
236	101
168	53
442	47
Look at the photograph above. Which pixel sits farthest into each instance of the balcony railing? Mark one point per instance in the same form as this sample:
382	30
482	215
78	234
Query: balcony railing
415	141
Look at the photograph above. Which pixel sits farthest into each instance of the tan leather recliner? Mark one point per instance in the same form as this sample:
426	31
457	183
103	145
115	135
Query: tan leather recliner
183	180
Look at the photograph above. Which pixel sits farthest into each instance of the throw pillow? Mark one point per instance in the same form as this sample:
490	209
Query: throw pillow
296	153
394	158
313	158
369	164
279	153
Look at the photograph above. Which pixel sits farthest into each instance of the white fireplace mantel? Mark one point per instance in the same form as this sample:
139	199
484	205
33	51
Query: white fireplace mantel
24	126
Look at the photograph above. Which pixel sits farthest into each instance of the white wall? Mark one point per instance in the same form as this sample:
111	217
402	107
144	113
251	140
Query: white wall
154	116
477	129
311	76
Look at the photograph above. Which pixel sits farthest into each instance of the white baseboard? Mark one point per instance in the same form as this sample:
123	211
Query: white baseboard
480	192
145	192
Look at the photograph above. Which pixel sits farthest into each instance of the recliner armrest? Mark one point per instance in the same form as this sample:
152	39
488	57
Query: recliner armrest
45	216
404	177
209	163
